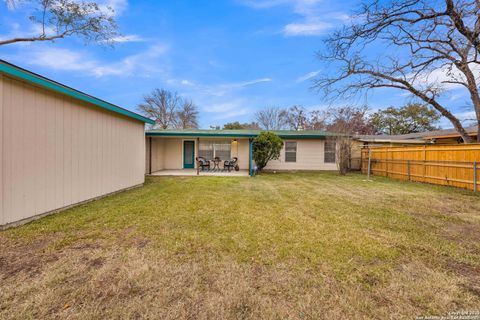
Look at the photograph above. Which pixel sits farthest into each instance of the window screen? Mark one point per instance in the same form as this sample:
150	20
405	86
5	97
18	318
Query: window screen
212	149
205	150
329	151
222	150
290	151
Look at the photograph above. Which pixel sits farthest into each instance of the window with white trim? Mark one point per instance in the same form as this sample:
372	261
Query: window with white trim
290	151
215	148
330	151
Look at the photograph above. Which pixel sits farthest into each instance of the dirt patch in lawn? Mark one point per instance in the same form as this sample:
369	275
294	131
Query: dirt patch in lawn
25	257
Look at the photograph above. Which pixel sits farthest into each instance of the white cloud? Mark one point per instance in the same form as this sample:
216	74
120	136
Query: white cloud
128	38
317	16
187	83
230	109
308	76
439	77
138	64
62	59
245	83
118	6
214	90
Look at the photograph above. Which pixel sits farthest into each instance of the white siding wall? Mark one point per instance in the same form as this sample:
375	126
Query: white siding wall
58	151
310	156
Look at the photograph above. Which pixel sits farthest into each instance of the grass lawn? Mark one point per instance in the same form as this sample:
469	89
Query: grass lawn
278	246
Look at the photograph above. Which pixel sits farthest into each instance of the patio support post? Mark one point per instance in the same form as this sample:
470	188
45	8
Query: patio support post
197	148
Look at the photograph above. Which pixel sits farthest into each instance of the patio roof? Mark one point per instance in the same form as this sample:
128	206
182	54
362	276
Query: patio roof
285	134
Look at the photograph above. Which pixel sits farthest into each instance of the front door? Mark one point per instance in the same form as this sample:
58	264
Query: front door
188	154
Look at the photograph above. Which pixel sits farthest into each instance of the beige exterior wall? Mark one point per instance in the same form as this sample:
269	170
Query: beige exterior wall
167	154
173	149
56	151
242	153
310	156
158	147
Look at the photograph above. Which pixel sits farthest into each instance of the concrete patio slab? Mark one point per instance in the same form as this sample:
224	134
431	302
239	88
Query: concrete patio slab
193	172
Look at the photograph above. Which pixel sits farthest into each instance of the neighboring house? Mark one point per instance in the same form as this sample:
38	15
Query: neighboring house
60	147
447	136
177	149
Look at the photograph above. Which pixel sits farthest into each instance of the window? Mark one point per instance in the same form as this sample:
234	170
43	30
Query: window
212	149
330	151
290	151
205	150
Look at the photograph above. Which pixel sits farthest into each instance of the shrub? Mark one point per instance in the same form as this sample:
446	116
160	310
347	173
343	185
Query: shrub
266	146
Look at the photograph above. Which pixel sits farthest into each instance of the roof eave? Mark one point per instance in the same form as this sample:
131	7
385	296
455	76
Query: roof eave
51	85
227	135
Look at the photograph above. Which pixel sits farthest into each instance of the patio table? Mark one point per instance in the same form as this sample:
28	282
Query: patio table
216	163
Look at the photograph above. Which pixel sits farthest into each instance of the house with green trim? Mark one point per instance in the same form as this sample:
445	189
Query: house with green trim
179	149
60	147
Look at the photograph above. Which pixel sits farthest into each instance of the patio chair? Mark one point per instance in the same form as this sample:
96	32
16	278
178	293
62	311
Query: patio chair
230	164
203	163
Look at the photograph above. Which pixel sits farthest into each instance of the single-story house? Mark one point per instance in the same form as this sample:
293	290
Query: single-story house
178	149
60	147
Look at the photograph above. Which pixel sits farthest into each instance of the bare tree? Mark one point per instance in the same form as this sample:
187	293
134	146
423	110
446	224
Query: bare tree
345	122
59	19
297	118
429	45
187	116
169	110
317	120
161	106
271	118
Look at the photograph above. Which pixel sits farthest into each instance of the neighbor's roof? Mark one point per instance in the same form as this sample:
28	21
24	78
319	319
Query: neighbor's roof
15	71
286	134
420	136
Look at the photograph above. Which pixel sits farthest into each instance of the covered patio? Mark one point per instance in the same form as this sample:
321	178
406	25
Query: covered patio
198	152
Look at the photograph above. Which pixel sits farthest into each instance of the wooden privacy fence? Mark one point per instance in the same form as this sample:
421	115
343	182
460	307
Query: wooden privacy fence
452	165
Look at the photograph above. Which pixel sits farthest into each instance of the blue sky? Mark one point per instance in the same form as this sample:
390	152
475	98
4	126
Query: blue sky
231	57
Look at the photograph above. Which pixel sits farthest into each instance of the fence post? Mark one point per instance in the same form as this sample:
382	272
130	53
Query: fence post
474	176
369	162
386	163
408	170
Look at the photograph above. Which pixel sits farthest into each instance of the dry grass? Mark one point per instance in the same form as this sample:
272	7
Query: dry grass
284	246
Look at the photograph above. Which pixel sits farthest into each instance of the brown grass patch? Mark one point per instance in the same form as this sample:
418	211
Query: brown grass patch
295	246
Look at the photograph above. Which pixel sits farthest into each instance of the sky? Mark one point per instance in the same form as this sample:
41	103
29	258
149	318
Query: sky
231	57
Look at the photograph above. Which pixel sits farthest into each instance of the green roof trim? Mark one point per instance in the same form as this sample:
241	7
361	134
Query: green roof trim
26	75
284	134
